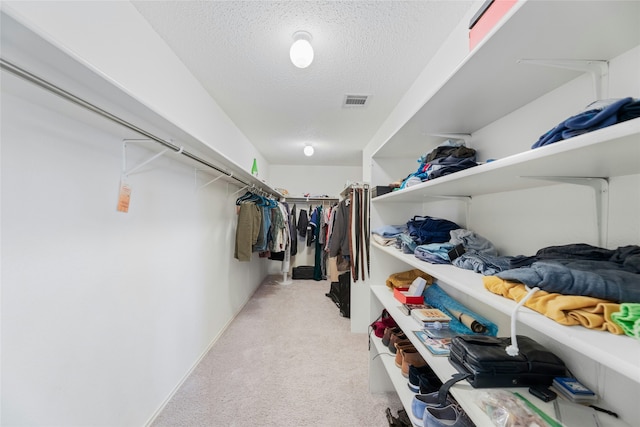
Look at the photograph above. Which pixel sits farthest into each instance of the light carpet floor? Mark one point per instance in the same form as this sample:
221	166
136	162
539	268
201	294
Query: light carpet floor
287	359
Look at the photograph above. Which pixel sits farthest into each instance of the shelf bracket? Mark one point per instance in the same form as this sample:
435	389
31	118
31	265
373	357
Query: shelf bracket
210	182
600	187
599	70
126	172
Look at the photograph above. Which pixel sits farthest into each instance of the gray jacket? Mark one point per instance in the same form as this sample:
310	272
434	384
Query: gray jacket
339	239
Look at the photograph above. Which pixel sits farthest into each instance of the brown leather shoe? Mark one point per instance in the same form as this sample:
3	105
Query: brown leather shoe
413	358
387	335
402	345
397	337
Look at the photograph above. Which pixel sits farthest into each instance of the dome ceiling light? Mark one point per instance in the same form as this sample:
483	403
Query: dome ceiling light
301	52
308	150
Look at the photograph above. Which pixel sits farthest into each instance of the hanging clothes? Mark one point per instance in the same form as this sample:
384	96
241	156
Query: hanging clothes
254	223
313	226
349	235
248	227
249	220
339	239
279	229
293	230
360	232
317	268
354	242
303	221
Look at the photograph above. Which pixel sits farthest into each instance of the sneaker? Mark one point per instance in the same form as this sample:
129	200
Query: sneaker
429	384
422	401
449	416
415	374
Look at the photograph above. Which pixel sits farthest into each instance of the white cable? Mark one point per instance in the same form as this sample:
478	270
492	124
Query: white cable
513	350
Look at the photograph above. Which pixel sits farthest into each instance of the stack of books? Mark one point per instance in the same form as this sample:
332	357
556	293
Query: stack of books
407	308
431	318
574	390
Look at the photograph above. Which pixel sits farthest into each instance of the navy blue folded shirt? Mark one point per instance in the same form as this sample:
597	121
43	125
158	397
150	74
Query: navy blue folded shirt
598	115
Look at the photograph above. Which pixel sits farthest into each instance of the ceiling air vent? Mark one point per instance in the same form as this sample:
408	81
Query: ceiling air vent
355	100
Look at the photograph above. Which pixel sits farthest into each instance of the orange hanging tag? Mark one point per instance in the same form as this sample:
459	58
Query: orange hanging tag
124	196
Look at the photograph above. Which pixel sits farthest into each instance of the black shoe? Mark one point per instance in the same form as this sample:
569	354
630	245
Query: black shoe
416	373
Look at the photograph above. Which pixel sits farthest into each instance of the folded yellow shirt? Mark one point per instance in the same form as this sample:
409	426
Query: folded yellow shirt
592	313
405	278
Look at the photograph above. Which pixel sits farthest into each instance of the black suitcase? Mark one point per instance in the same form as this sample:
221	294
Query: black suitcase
302	272
340	294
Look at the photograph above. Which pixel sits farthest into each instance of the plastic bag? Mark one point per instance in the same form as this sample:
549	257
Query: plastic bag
507	410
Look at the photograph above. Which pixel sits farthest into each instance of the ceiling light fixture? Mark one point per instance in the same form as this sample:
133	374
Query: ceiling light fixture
308	150
301	52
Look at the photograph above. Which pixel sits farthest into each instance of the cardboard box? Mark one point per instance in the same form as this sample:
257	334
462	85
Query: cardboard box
486	18
400	295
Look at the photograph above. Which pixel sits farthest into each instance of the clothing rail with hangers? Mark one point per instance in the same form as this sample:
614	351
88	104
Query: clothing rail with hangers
44	84
310	199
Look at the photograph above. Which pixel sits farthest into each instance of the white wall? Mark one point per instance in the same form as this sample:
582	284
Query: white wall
568	211
112	38
103	313
316	181
437	71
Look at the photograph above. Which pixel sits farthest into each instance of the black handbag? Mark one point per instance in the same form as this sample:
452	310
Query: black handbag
484	362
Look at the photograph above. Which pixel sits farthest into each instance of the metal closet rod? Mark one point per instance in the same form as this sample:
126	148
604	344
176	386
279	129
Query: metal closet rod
20	72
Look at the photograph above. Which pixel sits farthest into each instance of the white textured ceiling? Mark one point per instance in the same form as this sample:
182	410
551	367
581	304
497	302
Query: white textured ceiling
239	51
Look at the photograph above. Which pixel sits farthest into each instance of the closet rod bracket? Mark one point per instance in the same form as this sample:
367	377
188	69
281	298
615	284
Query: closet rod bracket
126	172
600	187
200	187
242	188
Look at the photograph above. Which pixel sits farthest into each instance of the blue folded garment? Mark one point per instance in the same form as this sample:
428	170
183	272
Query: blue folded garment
597	279
390	230
435	253
484	264
597	116
472	242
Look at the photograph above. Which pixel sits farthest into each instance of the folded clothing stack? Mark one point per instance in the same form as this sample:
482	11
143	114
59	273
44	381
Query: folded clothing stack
597	115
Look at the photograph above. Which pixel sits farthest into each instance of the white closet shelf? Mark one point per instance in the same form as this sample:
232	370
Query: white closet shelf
595	344
489	83
462	391
607	152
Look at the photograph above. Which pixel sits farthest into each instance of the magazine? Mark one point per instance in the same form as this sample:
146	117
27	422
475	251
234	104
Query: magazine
440	333
437	346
